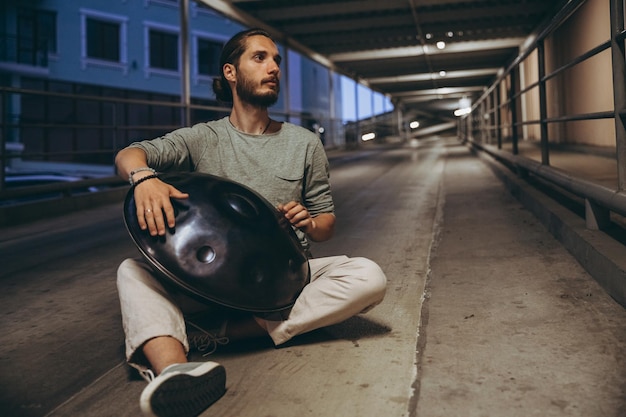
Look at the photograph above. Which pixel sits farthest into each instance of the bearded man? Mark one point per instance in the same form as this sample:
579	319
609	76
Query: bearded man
284	163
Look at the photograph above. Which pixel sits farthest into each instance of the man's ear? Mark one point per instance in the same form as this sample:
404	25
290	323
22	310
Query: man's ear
230	72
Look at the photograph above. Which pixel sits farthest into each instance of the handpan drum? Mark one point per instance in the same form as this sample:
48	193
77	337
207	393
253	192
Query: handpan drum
229	246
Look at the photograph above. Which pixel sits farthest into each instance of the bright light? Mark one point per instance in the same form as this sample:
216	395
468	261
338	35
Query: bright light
414	125
441	44
442	73
368	136
465	102
321	129
463	111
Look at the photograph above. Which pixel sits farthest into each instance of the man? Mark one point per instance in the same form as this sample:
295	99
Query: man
287	165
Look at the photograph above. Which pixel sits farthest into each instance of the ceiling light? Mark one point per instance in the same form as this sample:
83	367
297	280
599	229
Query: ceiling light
368	136
463	111
442	73
450	34
441	44
414	125
429	36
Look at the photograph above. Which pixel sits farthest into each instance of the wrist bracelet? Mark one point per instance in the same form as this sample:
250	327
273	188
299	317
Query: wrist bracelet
135	171
147	177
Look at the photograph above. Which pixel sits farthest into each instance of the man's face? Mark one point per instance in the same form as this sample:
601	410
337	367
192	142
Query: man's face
258	72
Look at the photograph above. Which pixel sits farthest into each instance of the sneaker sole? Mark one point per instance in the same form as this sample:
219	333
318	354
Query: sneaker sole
184	394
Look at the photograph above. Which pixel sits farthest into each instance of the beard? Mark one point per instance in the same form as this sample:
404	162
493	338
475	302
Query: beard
246	92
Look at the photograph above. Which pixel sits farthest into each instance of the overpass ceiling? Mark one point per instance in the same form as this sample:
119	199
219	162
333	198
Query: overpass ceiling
391	44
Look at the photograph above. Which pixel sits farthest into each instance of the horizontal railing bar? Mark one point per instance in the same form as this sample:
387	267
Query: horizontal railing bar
570	118
60	187
592	52
601	195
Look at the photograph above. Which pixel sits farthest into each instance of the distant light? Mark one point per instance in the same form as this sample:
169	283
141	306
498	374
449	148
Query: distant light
450	34
429	36
414	125
321	129
442	73
368	136
463	111
465	102
441	44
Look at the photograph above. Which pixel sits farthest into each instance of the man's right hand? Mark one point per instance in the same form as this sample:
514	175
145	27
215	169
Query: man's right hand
154	207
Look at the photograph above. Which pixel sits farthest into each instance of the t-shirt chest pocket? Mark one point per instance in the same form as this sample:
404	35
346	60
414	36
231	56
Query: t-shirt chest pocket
288	185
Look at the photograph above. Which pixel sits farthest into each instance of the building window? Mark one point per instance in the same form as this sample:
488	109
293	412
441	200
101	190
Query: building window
208	59
163	50
36	36
103	39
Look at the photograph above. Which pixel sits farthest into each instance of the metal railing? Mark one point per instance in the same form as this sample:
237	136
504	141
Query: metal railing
599	200
91	129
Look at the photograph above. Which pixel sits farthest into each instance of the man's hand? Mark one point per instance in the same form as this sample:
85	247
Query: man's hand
154	208
318	228
152	196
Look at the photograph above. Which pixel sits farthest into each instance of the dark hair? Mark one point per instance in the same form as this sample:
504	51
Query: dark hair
232	51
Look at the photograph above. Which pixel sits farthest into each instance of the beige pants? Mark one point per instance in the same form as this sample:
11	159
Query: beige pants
340	288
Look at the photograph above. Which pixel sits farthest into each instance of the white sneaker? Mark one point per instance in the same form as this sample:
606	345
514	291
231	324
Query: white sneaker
184	390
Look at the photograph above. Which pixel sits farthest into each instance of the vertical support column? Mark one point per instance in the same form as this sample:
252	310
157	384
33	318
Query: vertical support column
333	109
185	100
284	83
513	107
543	108
619	88
399	117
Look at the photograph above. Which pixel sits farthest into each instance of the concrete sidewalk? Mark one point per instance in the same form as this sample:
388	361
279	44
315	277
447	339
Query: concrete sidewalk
512	324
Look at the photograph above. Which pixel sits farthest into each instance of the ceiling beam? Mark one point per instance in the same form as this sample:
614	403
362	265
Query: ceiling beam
227	9
412	51
284	12
415	95
449	75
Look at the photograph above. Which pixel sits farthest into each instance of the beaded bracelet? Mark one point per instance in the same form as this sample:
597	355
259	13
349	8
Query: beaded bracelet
147	177
135	171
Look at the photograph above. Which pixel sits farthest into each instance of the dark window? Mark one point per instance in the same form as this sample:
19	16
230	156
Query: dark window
103	40
163	50
209	57
36	36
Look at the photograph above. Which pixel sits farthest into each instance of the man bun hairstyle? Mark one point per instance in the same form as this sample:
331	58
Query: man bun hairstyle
232	51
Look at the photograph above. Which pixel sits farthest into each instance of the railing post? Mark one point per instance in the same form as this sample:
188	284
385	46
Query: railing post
498	118
3	136
596	216
619	89
543	108
513	107
185	87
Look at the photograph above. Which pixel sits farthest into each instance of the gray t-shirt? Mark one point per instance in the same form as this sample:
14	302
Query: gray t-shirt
287	165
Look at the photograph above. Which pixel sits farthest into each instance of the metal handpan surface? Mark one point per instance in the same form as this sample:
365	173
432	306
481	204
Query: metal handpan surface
228	246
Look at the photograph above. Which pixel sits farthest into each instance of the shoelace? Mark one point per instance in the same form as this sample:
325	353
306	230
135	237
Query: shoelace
205	341
147	374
